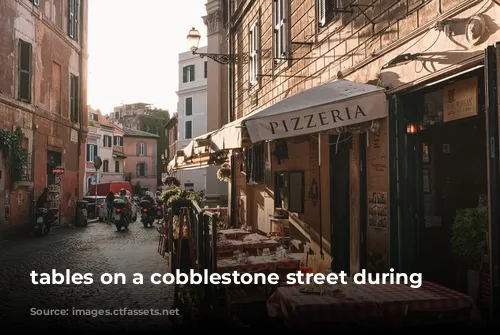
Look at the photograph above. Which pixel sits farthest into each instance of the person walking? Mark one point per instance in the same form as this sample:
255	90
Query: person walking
109	205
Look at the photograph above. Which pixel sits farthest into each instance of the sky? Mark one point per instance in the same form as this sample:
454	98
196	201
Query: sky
134	47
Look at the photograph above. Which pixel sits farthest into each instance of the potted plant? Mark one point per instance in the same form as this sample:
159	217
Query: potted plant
224	172
469	243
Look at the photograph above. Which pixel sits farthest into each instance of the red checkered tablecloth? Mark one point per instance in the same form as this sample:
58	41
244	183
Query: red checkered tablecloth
232	245
228	265
362	303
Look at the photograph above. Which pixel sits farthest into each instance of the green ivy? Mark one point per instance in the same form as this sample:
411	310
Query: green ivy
15	156
175	193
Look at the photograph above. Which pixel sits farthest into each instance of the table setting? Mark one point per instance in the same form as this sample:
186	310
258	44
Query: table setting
242	262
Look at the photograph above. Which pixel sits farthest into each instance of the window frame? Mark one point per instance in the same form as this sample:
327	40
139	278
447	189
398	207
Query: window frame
144	166
142	149
28	72
105	165
118	140
190	75
73	10
117	166
74	97
185	129
280	33
88	153
254	50
255	165
185	106
325	14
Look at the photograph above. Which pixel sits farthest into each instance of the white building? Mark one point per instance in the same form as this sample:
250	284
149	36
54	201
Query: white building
105	140
192	121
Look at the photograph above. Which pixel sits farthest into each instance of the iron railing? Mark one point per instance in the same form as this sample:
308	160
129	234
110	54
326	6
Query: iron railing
27	174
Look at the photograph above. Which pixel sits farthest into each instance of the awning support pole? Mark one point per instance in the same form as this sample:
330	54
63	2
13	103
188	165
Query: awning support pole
320	201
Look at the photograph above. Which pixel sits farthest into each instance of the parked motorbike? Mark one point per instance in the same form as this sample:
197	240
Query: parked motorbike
147	213
42	223
120	218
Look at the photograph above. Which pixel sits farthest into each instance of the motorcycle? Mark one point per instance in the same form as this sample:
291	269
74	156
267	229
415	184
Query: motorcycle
159	210
42	223
120	218
147	215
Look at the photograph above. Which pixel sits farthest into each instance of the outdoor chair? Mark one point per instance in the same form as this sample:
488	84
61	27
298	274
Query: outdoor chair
241	295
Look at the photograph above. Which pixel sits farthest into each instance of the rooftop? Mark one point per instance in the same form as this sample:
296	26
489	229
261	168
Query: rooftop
138	133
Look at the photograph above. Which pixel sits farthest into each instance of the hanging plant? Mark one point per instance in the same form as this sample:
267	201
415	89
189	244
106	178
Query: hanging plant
224	172
219	158
172	181
16	157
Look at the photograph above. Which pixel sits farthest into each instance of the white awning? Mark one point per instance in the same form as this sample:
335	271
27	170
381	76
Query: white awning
337	104
230	136
199	145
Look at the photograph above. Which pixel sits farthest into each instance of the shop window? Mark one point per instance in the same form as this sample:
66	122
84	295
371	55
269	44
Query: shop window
433	104
289	191
255	162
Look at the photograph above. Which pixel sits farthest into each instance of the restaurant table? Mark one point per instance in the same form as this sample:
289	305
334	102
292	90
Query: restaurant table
361	303
257	262
234	234
233	245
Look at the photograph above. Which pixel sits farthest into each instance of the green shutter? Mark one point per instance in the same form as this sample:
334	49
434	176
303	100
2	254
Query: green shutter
145	149
184	74
138	147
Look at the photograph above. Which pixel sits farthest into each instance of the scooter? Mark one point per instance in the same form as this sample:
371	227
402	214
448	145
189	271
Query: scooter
120	218
147	216
159	210
42	223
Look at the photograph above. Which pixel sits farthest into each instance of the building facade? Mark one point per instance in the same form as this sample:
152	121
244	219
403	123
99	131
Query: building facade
145	117
140	148
105	140
172	131
43	90
193	121
377	185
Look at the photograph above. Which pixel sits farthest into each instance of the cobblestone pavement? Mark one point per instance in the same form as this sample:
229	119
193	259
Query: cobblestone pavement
95	249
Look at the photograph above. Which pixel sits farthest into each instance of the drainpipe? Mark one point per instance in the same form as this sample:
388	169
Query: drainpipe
230	105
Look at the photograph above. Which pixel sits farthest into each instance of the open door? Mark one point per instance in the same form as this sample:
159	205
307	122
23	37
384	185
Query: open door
340	203
492	62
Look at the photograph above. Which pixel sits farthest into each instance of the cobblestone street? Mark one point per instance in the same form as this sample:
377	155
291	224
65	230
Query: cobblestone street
96	249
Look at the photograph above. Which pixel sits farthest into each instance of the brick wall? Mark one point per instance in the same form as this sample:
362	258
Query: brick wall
343	44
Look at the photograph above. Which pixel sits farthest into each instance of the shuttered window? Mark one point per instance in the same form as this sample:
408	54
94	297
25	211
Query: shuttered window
91	152
189	106
254	53
25	71
280	39
188	74
118	141
142	149
142	170
106	141
117	166
327	11
73	19
73	98
188	130
206	69
105	166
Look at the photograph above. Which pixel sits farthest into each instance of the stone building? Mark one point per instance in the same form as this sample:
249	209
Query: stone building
43	90
141	148
355	117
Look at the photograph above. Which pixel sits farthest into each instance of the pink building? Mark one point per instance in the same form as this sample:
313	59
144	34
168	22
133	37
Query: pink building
140	148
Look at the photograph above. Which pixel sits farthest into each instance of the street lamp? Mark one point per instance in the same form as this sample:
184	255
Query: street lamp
193	39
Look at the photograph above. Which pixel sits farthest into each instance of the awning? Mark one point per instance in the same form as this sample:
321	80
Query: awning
181	163
230	136
337	104
199	145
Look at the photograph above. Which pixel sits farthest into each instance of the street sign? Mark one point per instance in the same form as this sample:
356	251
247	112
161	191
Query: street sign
58	170
97	163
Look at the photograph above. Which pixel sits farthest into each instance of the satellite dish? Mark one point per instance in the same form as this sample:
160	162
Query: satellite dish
97	163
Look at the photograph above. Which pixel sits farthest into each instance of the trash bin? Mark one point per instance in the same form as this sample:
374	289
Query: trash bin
81	213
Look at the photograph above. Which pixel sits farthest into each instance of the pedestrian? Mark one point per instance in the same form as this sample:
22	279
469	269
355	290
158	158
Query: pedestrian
109	205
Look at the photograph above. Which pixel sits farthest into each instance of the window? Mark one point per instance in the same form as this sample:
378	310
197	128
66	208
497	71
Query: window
105	165
188	106
188	130
73	19
142	149
254	53
254	158
91	152
73	98
280	34
327	11
36	2
188	74
24	68
94	117
106	141
118	141
142	170
117	166
206	69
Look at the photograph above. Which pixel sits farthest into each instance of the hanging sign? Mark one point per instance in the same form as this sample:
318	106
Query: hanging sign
460	100
58	170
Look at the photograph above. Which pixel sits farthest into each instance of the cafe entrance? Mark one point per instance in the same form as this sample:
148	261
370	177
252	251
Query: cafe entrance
443	168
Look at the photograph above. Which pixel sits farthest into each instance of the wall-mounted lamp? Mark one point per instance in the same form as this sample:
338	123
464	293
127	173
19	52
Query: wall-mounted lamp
411	128
193	39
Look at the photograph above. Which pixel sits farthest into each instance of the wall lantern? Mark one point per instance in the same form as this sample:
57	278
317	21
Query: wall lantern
193	39
411	128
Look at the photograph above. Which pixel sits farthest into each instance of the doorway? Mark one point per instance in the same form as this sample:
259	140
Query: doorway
54	159
340	202
454	176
